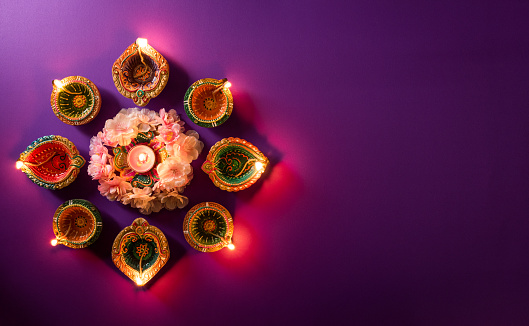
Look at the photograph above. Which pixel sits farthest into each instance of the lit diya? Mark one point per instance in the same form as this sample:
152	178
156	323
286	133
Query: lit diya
208	227
75	100
76	224
140	251
234	164
52	162
140	73
208	102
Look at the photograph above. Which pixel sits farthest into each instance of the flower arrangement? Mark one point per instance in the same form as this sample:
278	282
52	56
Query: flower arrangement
158	188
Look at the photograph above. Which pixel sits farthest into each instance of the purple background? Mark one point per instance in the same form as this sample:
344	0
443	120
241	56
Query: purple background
399	180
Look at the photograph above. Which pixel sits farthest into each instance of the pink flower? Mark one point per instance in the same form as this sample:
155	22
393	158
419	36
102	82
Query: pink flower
96	145
114	189
188	147
173	173
98	167
121	129
168	118
168	133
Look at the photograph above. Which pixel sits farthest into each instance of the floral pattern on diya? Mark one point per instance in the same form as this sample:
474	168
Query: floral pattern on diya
77	223
162	185
77	101
208	227
52	162
208	103
140	73
234	164
140	251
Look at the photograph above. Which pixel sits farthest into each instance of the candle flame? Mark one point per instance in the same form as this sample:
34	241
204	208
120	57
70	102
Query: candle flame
259	166
227	84
57	83
19	165
142	158
231	246
139	281
142	42
54	242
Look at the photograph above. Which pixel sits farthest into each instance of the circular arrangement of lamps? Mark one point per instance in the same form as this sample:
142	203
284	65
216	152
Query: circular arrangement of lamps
142	158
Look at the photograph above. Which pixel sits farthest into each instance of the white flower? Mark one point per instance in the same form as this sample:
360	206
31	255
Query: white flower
114	189
142	199
147	120
121	129
187	147
173	200
173	173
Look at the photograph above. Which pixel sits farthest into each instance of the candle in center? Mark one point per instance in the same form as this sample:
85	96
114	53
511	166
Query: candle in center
141	158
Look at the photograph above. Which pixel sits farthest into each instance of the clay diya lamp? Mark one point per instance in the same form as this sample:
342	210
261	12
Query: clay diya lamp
52	162
234	164
76	224
208	102
208	227
140	251
75	100
140	73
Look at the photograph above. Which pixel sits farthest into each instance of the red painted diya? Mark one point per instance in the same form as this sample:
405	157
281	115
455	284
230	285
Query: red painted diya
140	73
52	162
208	102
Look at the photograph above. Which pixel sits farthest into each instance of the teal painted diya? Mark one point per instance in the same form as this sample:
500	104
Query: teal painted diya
208	102
208	227
234	164
76	224
140	73
75	100
140	251
52	162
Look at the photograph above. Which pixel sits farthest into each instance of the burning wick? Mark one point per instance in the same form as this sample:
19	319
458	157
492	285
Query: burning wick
139	281
19	165
225	84
231	246
60	87
54	242
259	166
142	158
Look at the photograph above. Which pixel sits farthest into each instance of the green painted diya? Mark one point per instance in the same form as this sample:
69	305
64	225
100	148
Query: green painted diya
52	162
140	73
76	224
208	102
208	227
75	100
234	164
140	251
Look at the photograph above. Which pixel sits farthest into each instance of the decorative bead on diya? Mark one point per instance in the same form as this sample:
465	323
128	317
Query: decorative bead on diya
234	164
52	162
208	102
76	224
208	227
140	73
75	100
140	251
